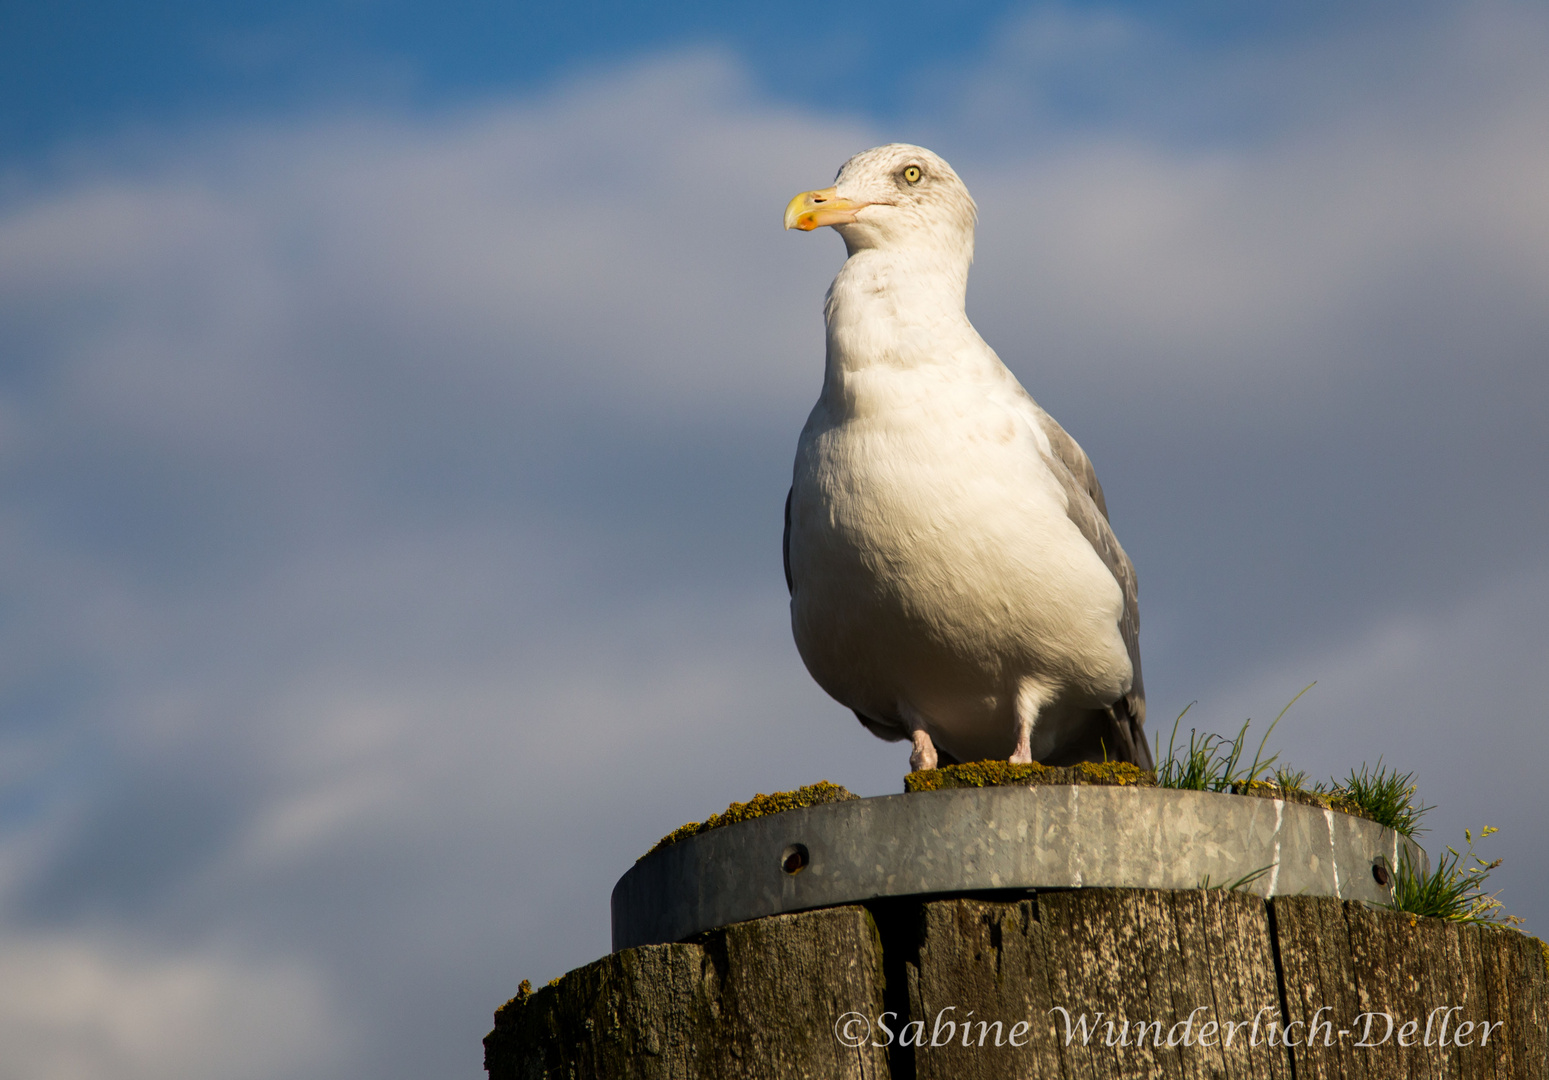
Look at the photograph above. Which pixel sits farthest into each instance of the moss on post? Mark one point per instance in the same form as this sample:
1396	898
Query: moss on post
979	774
760	806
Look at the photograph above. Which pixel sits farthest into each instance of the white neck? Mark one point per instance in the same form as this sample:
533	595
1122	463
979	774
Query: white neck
898	309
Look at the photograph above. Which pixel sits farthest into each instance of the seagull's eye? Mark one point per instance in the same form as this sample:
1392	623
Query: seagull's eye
912	174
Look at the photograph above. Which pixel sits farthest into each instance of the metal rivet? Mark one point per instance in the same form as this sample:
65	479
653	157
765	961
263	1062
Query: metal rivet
794	859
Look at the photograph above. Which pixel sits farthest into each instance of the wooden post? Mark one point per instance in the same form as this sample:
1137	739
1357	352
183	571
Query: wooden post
1074	984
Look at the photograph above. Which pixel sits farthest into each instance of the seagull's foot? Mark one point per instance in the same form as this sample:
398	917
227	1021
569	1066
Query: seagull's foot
924	754
1023	754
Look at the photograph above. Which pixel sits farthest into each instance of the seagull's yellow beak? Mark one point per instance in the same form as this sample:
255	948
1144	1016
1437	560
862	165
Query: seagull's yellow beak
814	209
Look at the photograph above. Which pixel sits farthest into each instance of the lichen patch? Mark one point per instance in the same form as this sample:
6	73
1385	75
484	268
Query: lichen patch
760	806
979	774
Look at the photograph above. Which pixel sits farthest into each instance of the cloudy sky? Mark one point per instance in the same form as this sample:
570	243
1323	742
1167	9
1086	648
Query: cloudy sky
397	403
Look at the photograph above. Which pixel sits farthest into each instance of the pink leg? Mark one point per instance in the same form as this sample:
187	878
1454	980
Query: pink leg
1030	699
924	753
1023	754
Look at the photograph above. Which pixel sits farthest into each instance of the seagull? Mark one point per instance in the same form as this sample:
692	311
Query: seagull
953	576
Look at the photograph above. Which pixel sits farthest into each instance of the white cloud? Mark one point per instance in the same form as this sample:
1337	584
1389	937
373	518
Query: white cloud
1252	268
79	1009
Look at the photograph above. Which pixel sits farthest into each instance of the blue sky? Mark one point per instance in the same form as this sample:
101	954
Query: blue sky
397	405
87	69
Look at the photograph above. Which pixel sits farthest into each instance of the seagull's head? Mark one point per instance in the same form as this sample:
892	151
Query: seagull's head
893	197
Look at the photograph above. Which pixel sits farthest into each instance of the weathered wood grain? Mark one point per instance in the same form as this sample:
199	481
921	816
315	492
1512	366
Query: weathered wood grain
637	1013
1312	941
984	965
1158	958
785	982
756	1000
1099	960
760	999
1431	977
1515	971
1229	959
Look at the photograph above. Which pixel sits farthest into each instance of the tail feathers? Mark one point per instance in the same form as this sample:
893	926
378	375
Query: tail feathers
1127	735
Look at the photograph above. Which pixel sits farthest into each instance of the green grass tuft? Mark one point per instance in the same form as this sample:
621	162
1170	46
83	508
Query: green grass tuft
1214	762
1455	890
1386	796
1289	779
1241	883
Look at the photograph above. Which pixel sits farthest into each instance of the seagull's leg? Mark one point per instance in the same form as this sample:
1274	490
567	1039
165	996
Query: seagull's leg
1030	699
1023	754
923	756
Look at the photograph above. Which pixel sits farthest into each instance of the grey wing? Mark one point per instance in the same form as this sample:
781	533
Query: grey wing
1089	511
